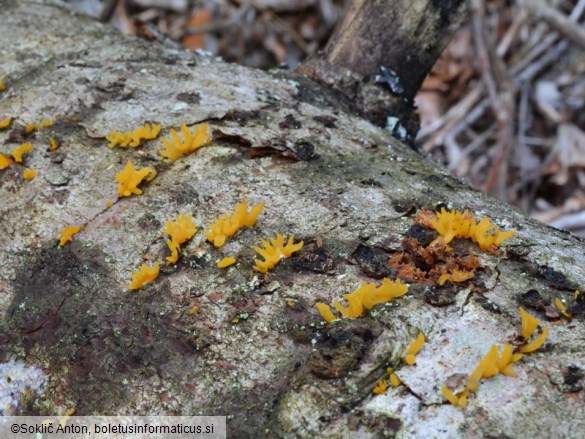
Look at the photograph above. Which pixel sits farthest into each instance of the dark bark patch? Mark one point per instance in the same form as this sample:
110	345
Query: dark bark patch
69	313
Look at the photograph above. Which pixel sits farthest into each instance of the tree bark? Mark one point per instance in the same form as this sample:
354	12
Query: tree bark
381	52
256	349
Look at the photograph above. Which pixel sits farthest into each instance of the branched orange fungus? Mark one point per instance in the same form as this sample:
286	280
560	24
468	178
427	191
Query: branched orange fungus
566	311
5	161
37	126
20	150
492	364
5	123
135	137
366	296
414	349
130	178
529	323
53	145
274	252
225	226
176	147
500	363
562	308
226	262
455	224
180	231
29	174
455	276
382	385
394	380
143	275
67	234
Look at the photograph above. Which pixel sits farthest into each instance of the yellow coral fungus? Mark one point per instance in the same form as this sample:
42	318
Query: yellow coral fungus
67	234
367	295
181	230
20	150
326	313
414	349
143	275
394	380
130	178
5	161
225	226
381	387
45	123
562	308
452	398
226	262
135	137
29	174
274	252
53	145
529	323
492	364
174	247
30	128
176	147
456	276
2	86
535	344
5	123
455	224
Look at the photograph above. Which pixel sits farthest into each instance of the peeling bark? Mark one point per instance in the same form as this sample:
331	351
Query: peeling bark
257	349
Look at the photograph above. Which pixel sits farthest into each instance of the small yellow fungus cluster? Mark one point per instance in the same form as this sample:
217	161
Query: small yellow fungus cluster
495	363
29	174
5	161
130	178
382	385
176	147
491	365
143	275
414	349
5	123
20	150
2	86
455	276
529	325
180	231
561	306
53	145
274	252
135	137
225	226
17	154
457	224
367	295
37	126
226	262
67	234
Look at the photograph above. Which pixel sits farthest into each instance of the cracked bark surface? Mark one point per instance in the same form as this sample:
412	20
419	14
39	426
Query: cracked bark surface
257	350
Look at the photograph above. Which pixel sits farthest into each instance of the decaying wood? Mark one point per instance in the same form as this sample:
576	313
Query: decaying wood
257	350
404	37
